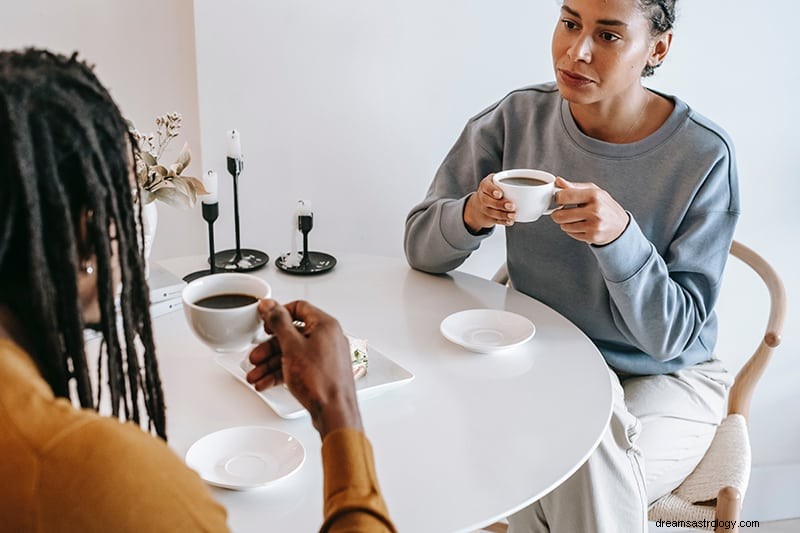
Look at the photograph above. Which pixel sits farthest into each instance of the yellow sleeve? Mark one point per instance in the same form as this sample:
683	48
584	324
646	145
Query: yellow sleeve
104	475
353	501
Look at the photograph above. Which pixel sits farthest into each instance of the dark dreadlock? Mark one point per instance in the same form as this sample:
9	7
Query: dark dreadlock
66	155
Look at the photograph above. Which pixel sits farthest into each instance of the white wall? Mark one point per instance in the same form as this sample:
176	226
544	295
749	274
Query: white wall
351	104
144	54
354	104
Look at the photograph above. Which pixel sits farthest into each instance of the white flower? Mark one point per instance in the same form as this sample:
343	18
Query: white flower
159	182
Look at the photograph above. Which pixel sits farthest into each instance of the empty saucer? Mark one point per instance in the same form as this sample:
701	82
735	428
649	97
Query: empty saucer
487	330
245	457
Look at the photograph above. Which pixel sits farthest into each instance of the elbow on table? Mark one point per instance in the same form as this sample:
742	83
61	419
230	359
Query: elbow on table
420	262
420	257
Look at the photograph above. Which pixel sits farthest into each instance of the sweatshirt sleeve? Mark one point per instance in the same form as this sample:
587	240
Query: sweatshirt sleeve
353	500
436	239
661	303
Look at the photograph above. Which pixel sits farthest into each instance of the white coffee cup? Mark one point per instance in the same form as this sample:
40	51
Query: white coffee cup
532	199
230	329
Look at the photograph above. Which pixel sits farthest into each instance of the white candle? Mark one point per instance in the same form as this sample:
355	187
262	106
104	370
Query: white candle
292	259
303	208
293	253
211	185
234	145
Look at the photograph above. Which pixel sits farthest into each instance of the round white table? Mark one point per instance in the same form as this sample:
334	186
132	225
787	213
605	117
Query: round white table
471	439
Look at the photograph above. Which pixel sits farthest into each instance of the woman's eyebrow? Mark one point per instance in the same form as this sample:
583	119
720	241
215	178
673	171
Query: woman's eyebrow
602	22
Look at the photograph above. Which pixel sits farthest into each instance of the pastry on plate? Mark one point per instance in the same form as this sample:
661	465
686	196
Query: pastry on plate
358	357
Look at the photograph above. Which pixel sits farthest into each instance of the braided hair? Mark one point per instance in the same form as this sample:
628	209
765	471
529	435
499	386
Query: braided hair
661	14
66	156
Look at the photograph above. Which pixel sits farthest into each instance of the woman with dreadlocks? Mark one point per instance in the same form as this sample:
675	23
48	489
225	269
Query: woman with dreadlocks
69	245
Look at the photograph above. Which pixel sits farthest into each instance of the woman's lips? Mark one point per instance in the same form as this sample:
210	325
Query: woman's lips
573	79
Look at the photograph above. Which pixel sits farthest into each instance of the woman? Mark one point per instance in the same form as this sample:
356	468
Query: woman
68	245
634	259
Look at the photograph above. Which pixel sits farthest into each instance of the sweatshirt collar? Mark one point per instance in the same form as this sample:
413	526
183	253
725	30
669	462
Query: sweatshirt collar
676	119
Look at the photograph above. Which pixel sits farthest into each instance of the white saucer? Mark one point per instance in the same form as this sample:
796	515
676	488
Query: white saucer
246	457
487	330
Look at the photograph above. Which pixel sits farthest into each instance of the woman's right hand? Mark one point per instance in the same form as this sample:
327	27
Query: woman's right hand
313	360
486	207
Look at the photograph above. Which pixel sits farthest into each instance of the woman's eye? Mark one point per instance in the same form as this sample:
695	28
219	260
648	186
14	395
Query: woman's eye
569	24
610	37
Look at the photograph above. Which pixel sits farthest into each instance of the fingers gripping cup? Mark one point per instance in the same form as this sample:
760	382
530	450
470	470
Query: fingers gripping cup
222	310
532	191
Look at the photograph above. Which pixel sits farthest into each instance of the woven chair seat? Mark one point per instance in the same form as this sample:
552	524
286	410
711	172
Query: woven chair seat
725	464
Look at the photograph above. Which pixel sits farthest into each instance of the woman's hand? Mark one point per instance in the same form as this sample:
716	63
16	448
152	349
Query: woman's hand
596	218
313	360
486	207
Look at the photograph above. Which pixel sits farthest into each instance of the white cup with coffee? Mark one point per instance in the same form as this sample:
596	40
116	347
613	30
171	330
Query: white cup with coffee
531	191
222	310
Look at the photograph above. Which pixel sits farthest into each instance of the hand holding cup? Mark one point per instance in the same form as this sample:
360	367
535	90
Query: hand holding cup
531	191
487	207
313	360
594	216
516	195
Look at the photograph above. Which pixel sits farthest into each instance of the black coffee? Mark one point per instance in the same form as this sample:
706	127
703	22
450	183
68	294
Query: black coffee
530	182
226	301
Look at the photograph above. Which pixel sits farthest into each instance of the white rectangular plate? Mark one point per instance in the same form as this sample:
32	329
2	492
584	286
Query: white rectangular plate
382	374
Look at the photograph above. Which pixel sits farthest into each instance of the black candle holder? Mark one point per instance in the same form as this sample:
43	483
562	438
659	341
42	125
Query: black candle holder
238	259
210	215
312	262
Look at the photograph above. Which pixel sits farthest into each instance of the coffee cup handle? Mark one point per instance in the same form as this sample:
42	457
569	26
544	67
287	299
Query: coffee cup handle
553	205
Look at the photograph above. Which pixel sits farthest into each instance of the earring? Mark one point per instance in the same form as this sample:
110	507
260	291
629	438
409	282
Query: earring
87	267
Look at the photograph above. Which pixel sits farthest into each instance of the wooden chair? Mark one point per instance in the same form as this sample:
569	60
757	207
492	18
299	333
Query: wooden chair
715	489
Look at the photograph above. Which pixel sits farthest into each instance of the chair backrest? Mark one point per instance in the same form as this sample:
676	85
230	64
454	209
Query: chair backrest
501	276
741	392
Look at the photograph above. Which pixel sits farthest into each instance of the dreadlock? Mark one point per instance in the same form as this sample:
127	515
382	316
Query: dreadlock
66	156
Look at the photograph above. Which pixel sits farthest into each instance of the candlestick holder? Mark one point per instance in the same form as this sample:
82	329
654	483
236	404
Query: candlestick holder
210	215
238	259
312	262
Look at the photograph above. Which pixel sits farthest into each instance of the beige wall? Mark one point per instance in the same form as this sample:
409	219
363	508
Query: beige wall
144	53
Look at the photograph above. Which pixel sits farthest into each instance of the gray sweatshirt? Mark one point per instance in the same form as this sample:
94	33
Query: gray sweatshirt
646	299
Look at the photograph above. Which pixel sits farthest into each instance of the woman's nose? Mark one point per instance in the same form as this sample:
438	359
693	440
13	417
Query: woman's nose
581	50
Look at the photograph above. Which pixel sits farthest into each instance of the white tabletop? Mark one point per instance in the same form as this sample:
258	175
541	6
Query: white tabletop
471	439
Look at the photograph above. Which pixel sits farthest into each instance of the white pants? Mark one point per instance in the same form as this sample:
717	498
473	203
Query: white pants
659	430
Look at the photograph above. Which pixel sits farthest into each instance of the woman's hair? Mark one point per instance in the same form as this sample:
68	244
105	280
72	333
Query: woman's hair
661	14
66	158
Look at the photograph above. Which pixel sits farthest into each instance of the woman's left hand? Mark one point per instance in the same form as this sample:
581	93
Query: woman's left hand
596	218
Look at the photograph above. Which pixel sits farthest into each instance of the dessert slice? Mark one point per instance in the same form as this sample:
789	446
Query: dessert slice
358	356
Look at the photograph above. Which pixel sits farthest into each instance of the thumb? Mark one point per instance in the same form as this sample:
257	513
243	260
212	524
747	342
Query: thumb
564	184
279	321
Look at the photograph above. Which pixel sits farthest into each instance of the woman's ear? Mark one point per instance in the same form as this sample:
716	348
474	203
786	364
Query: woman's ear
659	49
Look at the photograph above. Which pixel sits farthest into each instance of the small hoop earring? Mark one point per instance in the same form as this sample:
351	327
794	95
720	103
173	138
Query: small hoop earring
87	267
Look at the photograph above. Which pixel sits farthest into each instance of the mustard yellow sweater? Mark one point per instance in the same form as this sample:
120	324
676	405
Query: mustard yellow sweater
64	469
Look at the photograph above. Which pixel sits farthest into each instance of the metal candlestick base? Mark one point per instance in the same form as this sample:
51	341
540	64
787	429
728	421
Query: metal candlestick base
249	259
314	263
188	278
